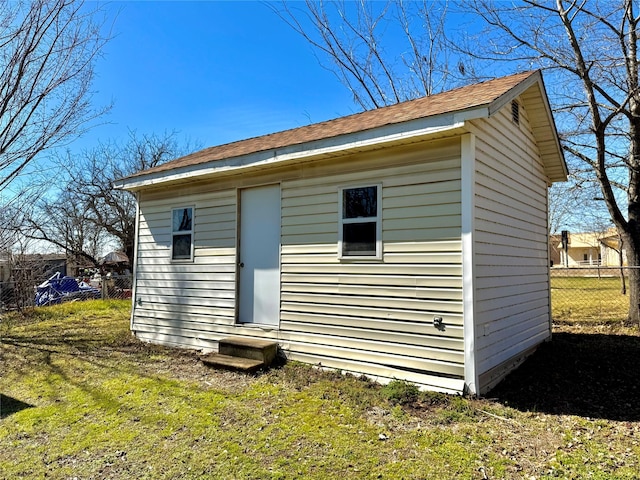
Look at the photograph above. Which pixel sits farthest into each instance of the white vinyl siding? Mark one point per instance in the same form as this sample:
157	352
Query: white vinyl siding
511	252
178	303
377	318
373	318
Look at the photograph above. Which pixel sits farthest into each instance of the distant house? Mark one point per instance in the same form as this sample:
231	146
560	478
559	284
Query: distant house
408	242
31	267
555	247
588	249
5	267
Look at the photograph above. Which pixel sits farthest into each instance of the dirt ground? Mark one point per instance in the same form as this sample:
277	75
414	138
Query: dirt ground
586	371
590	371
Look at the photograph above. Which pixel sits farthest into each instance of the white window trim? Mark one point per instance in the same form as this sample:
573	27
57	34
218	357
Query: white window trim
377	218
183	232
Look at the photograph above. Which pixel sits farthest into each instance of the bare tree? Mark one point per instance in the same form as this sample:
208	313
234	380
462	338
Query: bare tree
64	221
564	200
350	37
590	53
87	213
48	49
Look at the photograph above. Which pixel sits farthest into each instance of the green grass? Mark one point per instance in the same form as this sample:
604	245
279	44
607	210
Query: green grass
82	399
588	299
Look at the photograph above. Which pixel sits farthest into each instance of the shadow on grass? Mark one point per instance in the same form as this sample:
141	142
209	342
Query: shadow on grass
590	375
10	405
58	353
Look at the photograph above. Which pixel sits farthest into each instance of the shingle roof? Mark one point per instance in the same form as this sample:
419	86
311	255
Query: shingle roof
460	99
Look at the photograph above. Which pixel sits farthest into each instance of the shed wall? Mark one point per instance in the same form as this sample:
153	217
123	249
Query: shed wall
371	317
511	245
181	303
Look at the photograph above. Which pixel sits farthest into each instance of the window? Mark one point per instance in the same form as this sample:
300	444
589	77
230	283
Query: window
182	233
360	222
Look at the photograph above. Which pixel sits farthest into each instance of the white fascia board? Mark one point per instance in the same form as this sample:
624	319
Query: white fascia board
490	109
399	133
554	131
495	106
466	115
515	92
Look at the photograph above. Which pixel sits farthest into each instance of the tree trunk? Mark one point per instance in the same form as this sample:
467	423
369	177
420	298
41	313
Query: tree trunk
129	251
623	283
632	247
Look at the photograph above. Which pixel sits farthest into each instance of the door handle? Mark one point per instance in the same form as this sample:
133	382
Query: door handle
241	264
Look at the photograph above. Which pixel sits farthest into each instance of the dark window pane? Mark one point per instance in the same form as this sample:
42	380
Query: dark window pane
360	202
181	247
182	219
359	239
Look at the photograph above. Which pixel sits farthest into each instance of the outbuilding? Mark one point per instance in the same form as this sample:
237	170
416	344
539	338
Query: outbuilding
408	242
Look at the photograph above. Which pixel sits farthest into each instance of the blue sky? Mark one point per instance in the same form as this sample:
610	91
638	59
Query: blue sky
213	71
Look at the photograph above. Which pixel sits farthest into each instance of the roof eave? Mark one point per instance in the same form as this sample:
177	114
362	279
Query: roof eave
404	132
394	134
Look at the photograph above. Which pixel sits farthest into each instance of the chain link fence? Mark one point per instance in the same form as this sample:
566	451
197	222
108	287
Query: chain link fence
19	293
596	294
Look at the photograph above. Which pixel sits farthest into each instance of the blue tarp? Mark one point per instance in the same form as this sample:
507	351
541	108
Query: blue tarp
59	288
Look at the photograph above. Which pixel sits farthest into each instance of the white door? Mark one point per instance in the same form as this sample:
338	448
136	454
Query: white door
259	256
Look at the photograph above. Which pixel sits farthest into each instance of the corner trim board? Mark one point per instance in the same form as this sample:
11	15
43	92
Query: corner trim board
468	159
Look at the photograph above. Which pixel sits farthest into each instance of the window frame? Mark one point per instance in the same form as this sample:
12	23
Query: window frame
175	233
347	221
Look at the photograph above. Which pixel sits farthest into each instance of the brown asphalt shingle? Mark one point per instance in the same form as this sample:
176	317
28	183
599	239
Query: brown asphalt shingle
456	100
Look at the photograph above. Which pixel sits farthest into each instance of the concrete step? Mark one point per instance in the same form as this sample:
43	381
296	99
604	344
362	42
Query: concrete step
228	362
251	348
